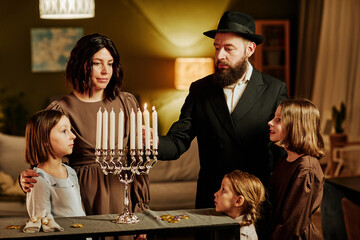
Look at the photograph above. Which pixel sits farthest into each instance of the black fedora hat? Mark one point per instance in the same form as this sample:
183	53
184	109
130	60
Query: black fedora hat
237	22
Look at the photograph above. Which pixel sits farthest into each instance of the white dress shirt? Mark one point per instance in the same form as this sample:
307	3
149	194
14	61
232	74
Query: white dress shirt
234	92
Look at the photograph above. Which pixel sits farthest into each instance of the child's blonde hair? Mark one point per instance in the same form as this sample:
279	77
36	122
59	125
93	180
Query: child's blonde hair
301	121
253	191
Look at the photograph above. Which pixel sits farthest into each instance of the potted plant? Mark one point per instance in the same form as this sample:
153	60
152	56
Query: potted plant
338	118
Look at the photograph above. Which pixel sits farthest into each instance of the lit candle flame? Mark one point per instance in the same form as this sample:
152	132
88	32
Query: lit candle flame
145	105
153	108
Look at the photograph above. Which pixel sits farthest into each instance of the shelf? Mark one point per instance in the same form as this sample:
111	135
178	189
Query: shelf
273	56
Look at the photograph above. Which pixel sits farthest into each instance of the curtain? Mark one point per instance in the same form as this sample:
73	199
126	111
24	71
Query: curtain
337	75
308	44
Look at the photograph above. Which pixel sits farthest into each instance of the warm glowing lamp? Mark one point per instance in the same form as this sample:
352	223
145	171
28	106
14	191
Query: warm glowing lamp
188	70
66	9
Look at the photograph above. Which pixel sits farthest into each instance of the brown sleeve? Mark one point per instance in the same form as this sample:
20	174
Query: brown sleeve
297	206
140	193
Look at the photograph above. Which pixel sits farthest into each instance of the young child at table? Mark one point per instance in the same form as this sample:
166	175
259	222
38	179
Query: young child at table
296	186
241	196
48	139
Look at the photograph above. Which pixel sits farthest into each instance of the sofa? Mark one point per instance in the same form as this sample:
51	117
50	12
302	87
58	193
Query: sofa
172	183
12	162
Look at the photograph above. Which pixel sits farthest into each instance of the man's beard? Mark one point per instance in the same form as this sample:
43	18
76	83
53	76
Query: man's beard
226	77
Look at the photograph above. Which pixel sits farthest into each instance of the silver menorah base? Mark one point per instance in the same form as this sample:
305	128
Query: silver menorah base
126	172
126	217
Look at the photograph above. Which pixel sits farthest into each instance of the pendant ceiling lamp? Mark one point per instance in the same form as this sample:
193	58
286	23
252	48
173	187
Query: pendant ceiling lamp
66	9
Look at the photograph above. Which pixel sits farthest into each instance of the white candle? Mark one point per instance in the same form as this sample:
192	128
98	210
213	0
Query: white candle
139	129
132	129
112	129
98	128
121	130
105	130
147	127
155	128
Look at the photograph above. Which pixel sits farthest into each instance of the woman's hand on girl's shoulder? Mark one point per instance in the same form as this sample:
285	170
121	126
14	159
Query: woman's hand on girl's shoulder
27	180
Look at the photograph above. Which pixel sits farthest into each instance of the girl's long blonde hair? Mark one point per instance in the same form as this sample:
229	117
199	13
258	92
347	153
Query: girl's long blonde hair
253	191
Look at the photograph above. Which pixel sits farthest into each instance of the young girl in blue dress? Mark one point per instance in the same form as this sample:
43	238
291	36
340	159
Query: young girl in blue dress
48	139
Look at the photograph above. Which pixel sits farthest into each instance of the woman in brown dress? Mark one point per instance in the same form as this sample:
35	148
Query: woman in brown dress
95	73
296	186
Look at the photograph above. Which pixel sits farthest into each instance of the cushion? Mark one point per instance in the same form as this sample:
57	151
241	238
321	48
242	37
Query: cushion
172	195
12	155
9	186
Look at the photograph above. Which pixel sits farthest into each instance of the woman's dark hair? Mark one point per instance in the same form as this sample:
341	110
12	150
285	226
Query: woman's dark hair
79	67
37	136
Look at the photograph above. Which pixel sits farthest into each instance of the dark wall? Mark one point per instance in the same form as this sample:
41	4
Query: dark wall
147	54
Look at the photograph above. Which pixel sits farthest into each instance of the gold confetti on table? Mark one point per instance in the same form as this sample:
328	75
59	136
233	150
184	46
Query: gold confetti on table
172	218
12	227
77	225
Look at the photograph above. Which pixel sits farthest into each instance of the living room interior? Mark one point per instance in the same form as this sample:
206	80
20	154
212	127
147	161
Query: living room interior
323	65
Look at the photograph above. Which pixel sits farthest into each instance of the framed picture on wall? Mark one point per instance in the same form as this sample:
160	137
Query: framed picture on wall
51	47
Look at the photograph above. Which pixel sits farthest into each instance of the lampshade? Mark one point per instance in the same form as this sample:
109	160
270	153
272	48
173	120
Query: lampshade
188	70
66	9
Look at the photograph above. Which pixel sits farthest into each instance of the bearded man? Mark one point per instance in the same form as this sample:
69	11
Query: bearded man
228	111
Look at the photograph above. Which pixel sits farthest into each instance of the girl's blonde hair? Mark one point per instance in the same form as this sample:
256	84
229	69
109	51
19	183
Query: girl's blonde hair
37	136
250	187
301	121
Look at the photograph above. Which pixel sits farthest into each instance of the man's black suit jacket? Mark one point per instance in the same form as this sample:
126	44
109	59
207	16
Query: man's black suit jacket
239	140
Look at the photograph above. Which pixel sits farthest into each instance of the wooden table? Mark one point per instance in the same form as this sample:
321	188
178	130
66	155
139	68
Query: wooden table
351	184
102	225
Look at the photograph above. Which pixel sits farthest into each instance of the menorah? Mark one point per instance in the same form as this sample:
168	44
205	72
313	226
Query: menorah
120	161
